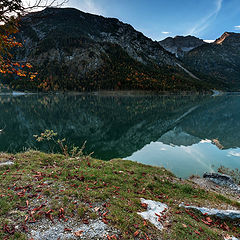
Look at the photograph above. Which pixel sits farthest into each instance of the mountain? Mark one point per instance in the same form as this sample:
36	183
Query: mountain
219	62
181	44
73	50
77	51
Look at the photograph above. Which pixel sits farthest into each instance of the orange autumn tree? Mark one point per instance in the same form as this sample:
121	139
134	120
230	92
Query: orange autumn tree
7	42
10	13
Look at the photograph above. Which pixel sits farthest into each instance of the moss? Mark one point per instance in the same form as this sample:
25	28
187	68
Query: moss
5	206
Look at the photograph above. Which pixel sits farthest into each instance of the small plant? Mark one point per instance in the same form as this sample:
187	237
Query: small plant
77	151
47	135
51	136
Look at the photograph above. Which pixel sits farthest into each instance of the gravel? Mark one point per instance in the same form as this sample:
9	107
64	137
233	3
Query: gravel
46	230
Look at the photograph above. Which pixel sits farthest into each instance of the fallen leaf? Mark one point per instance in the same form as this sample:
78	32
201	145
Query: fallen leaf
85	221
207	223
114	237
105	220
136	233
67	229
144	205
209	219
197	232
104	214
78	233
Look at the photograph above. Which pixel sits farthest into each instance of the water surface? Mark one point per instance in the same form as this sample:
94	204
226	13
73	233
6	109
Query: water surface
173	131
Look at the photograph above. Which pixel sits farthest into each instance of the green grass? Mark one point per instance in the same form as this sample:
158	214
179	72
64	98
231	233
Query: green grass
78	184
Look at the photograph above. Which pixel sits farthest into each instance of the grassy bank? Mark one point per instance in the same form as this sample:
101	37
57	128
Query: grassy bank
50	189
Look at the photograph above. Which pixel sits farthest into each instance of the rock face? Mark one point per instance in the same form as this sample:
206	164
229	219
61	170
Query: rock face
179	45
222	180
74	50
223	214
218	61
224	38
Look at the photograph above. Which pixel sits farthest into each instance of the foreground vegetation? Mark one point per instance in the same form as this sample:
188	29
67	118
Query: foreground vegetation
58	188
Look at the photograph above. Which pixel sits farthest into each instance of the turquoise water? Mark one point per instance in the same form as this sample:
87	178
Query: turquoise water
177	132
187	160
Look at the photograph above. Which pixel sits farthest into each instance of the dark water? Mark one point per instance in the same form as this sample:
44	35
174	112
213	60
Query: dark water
171	131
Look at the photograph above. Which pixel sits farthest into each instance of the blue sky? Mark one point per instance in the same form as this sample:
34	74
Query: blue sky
158	19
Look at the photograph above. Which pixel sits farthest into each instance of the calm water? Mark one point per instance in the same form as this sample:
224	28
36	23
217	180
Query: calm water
171	131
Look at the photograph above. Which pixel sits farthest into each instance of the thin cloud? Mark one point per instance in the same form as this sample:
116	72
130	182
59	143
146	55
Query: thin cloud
89	6
204	22
237	27
166	32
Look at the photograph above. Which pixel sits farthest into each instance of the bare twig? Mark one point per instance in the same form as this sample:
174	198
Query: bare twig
15	8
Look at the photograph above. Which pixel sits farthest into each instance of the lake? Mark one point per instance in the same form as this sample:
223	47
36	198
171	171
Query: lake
189	134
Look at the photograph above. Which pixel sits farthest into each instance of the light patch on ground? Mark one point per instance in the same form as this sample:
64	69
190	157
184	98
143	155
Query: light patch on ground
6	163
153	208
96	229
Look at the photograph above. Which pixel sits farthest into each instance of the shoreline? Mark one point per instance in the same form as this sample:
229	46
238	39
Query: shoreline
123	93
117	92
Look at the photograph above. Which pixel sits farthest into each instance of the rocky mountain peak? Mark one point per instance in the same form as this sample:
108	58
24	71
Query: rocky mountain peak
181	44
223	37
228	38
218	61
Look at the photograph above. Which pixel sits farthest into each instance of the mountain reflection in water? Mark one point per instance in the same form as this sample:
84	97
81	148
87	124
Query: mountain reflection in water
172	131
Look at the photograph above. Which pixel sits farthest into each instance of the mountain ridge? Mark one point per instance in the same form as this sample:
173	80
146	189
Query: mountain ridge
218	61
73	50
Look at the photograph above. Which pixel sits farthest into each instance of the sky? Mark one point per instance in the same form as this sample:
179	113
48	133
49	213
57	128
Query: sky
158	19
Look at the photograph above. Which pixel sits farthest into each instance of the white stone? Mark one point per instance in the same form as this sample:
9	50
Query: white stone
153	208
231	238
233	214
6	163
